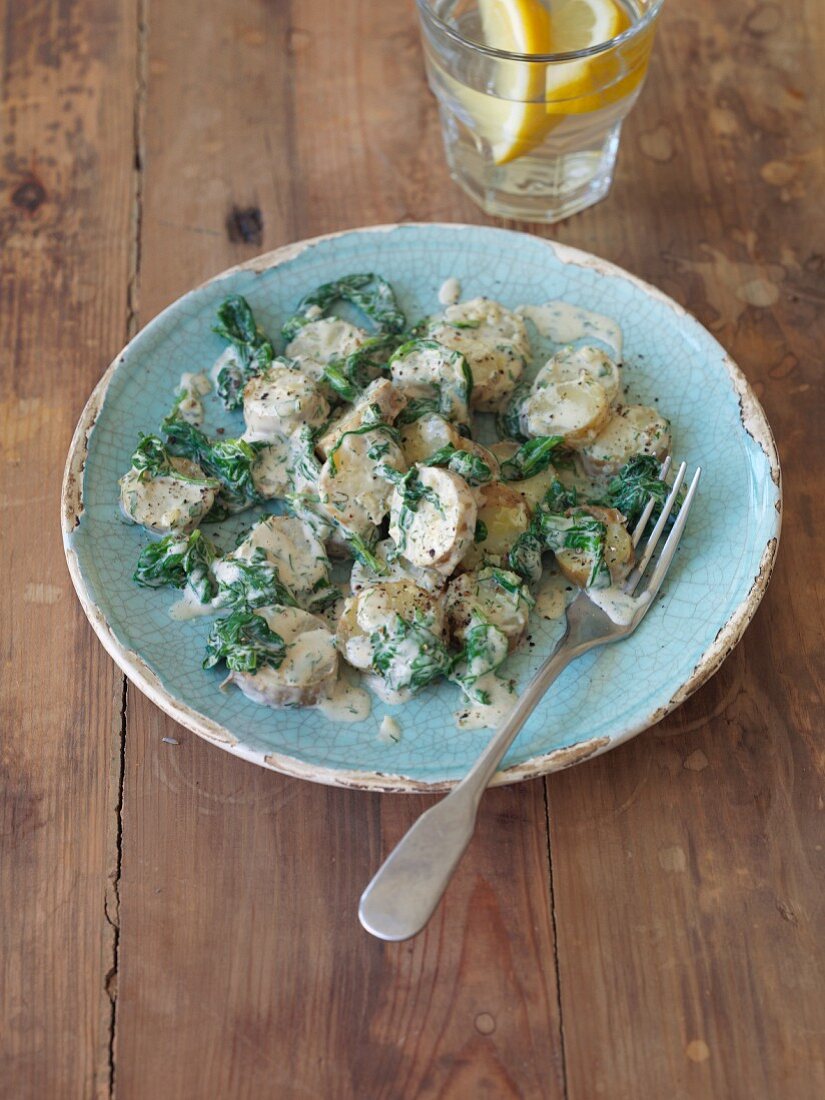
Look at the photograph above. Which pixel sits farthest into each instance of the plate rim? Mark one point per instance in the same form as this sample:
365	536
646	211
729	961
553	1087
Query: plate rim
752	418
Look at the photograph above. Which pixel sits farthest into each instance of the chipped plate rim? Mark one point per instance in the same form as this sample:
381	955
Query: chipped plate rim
754	423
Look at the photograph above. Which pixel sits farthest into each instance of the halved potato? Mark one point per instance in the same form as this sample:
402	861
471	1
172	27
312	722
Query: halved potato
433	530
532	489
568	363
576	410
501	517
498	596
373	609
309	670
380	400
634	430
577	565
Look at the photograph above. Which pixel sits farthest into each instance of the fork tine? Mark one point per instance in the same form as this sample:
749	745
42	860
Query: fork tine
644	518
669	549
632	581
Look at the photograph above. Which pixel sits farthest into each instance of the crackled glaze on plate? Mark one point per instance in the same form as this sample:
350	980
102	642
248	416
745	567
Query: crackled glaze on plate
714	587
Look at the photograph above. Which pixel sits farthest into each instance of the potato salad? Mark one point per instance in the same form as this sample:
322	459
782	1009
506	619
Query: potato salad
411	489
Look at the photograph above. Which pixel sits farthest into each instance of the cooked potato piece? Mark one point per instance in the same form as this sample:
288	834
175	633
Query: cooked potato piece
433	519
323	340
634	430
498	596
577	565
380	401
309	670
494	342
424	368
280	400
291	546
271	469
397	569
373	610
166	504
427	435
501	517
351	487
480	451
568	363
532	489
577	411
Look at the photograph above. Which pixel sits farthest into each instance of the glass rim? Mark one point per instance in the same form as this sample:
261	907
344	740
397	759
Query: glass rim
427	9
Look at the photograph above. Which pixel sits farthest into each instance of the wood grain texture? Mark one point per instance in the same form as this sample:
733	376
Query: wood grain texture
66	203
257	873
664	938
689	864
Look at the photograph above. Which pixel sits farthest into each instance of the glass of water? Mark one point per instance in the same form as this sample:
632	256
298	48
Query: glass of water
533	136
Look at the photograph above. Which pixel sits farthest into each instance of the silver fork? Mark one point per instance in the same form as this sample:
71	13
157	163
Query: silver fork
406	889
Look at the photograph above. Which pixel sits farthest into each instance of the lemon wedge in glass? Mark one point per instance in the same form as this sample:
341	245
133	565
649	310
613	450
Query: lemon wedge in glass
531	98
514	120
578	25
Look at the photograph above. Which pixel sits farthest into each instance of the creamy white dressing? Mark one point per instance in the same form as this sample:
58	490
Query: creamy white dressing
385	693
617	605
189	606
191	389
476	716
389	732
225	359
563	323
347	703
552	594
449	291
165	504
270	472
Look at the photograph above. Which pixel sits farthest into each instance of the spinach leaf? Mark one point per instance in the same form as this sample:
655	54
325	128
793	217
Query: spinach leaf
412	491
508	421
322	596
153	459
362	551
349	376
558	498
245	642
230	461
581	532
524	557
372	422
253	582
177	561
634	485
393	645
471	467
531	458
481	531
370	293
485	648
417	407
253	350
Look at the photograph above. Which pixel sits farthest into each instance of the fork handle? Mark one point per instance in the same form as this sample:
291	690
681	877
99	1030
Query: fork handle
408	886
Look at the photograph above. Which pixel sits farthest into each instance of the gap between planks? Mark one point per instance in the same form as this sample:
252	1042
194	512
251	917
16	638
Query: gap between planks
545	784
132	307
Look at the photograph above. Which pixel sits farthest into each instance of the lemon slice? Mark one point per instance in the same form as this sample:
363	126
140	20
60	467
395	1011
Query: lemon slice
514	120
578	25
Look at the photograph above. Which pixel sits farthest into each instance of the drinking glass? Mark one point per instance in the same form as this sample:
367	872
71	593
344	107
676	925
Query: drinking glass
532	137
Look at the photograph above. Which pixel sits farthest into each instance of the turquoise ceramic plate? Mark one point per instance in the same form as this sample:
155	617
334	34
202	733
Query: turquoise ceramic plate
604	698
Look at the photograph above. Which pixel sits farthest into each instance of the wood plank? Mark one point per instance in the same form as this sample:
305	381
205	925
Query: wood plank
66	196
244	970
688	865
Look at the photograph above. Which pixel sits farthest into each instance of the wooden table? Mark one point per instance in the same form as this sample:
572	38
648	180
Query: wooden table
177	923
